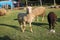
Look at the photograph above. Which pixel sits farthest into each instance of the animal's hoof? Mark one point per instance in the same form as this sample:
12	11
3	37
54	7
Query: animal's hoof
31	31
23	31
42	20
52	31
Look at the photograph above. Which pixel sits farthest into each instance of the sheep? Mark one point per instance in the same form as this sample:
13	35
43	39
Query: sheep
2	11
52	17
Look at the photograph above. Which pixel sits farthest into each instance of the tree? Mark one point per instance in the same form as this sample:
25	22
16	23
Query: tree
26	2
41	2
54	2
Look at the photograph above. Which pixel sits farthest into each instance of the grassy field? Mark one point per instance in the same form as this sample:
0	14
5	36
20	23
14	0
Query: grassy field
10	30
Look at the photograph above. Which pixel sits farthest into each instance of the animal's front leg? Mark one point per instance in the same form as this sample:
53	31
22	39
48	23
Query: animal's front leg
24	26
30	27
21	26
49	26
36	18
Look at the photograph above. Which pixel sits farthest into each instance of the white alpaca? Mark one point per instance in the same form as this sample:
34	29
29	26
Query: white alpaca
29	17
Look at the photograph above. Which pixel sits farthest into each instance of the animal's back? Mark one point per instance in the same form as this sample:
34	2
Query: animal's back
21	17
39	11
52	17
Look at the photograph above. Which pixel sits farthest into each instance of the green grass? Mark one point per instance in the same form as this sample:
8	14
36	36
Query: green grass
10	30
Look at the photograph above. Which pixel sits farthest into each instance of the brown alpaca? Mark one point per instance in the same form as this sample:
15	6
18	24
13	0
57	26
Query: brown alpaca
52	17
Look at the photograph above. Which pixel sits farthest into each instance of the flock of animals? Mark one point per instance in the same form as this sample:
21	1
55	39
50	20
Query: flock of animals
31	14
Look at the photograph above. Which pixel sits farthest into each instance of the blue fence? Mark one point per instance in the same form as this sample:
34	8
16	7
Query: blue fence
6	3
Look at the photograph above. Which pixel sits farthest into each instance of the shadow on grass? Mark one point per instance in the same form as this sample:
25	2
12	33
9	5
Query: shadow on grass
58	19
13	26
39	24
15	19
44	25
35	23
5	38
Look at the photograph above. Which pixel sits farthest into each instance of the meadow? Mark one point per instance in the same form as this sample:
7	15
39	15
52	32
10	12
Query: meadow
10	28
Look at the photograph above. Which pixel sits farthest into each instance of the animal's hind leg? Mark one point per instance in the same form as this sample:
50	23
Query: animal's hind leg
37	18
43	15
43	18
30	27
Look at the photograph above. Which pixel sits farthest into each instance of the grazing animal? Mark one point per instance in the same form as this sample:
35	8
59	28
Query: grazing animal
38	11
52	17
